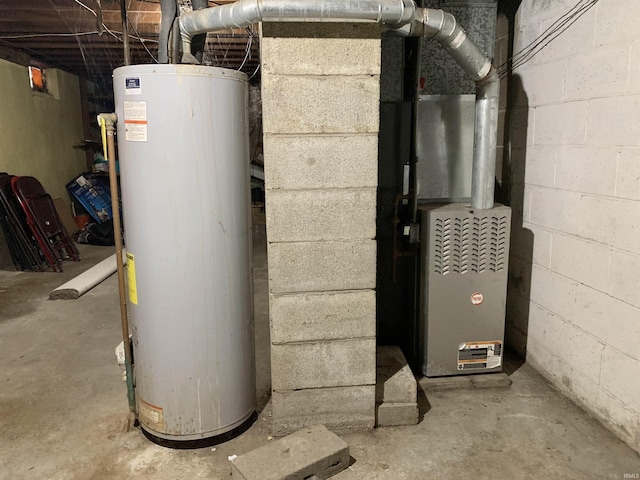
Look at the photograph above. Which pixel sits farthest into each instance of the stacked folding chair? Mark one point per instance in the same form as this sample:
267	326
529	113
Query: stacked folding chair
42	218
24	249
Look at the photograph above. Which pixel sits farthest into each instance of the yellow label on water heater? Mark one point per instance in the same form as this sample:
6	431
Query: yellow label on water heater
131	274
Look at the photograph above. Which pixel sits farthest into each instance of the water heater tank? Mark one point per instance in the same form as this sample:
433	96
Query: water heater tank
182	137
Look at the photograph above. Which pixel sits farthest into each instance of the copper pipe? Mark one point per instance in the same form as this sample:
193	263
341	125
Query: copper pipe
110	119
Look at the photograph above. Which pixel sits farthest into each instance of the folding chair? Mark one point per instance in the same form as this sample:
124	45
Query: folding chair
24	248
44	221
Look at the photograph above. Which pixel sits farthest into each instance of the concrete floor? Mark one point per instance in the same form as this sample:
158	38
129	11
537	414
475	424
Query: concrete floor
63	407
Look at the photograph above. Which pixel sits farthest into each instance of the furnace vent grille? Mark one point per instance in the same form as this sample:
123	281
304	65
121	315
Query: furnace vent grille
470	244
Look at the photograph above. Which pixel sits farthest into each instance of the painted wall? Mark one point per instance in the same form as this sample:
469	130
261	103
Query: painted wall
38	130
574	138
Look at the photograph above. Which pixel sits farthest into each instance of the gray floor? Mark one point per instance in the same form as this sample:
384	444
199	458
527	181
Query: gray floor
63	408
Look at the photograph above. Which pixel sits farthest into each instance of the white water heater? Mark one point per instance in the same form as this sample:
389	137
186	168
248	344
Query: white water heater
182	135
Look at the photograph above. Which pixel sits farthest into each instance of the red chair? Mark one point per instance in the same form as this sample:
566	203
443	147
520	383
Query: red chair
26	251
44	222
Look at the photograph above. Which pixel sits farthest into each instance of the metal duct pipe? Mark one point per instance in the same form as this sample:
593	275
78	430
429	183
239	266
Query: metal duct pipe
169	10
443	27
394	13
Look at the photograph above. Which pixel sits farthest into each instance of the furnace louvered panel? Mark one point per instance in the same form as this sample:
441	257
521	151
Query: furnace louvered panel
470	245
465	255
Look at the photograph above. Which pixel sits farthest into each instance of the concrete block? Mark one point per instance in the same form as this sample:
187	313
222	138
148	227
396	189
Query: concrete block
314	215
536	355
607	115
322	30
553	292
634	69
521	131
530	238
581	260
342	408
616	22
540	13
542	84
461	382
491	380
396	414
538	319
394	380
320	56
540	165
623	420
557	336
589	394
582	37
598	70
322	266
323	316
557	372
555	209
586	170
624	266
609	320
573	346
313	452
563	124
619	372
610	221
320	104
542	240
323	364
320	161
437	384
628	178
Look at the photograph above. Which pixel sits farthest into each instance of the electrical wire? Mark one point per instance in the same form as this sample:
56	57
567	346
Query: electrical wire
96	15
556	29
141	40
34	35
256	71
73	34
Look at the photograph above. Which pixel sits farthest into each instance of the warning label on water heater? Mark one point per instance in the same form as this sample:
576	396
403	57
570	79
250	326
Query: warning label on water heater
151	415
479	355
131	278
135	121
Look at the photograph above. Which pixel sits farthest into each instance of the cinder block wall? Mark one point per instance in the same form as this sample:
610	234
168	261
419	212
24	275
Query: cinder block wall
575	142
320	94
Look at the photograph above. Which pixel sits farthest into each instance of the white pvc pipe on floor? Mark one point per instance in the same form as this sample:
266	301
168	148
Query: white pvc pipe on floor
84	282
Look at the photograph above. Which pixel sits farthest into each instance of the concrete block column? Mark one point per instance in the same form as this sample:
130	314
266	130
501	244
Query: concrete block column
320	97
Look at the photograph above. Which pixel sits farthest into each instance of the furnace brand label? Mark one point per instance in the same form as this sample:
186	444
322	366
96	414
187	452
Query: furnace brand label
479	355
131	278
135	121
477	298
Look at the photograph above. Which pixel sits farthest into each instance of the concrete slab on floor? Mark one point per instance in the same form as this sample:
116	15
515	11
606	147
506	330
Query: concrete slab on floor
483	380
313	452
63	410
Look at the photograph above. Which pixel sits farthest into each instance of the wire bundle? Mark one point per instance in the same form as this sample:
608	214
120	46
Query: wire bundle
556	29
